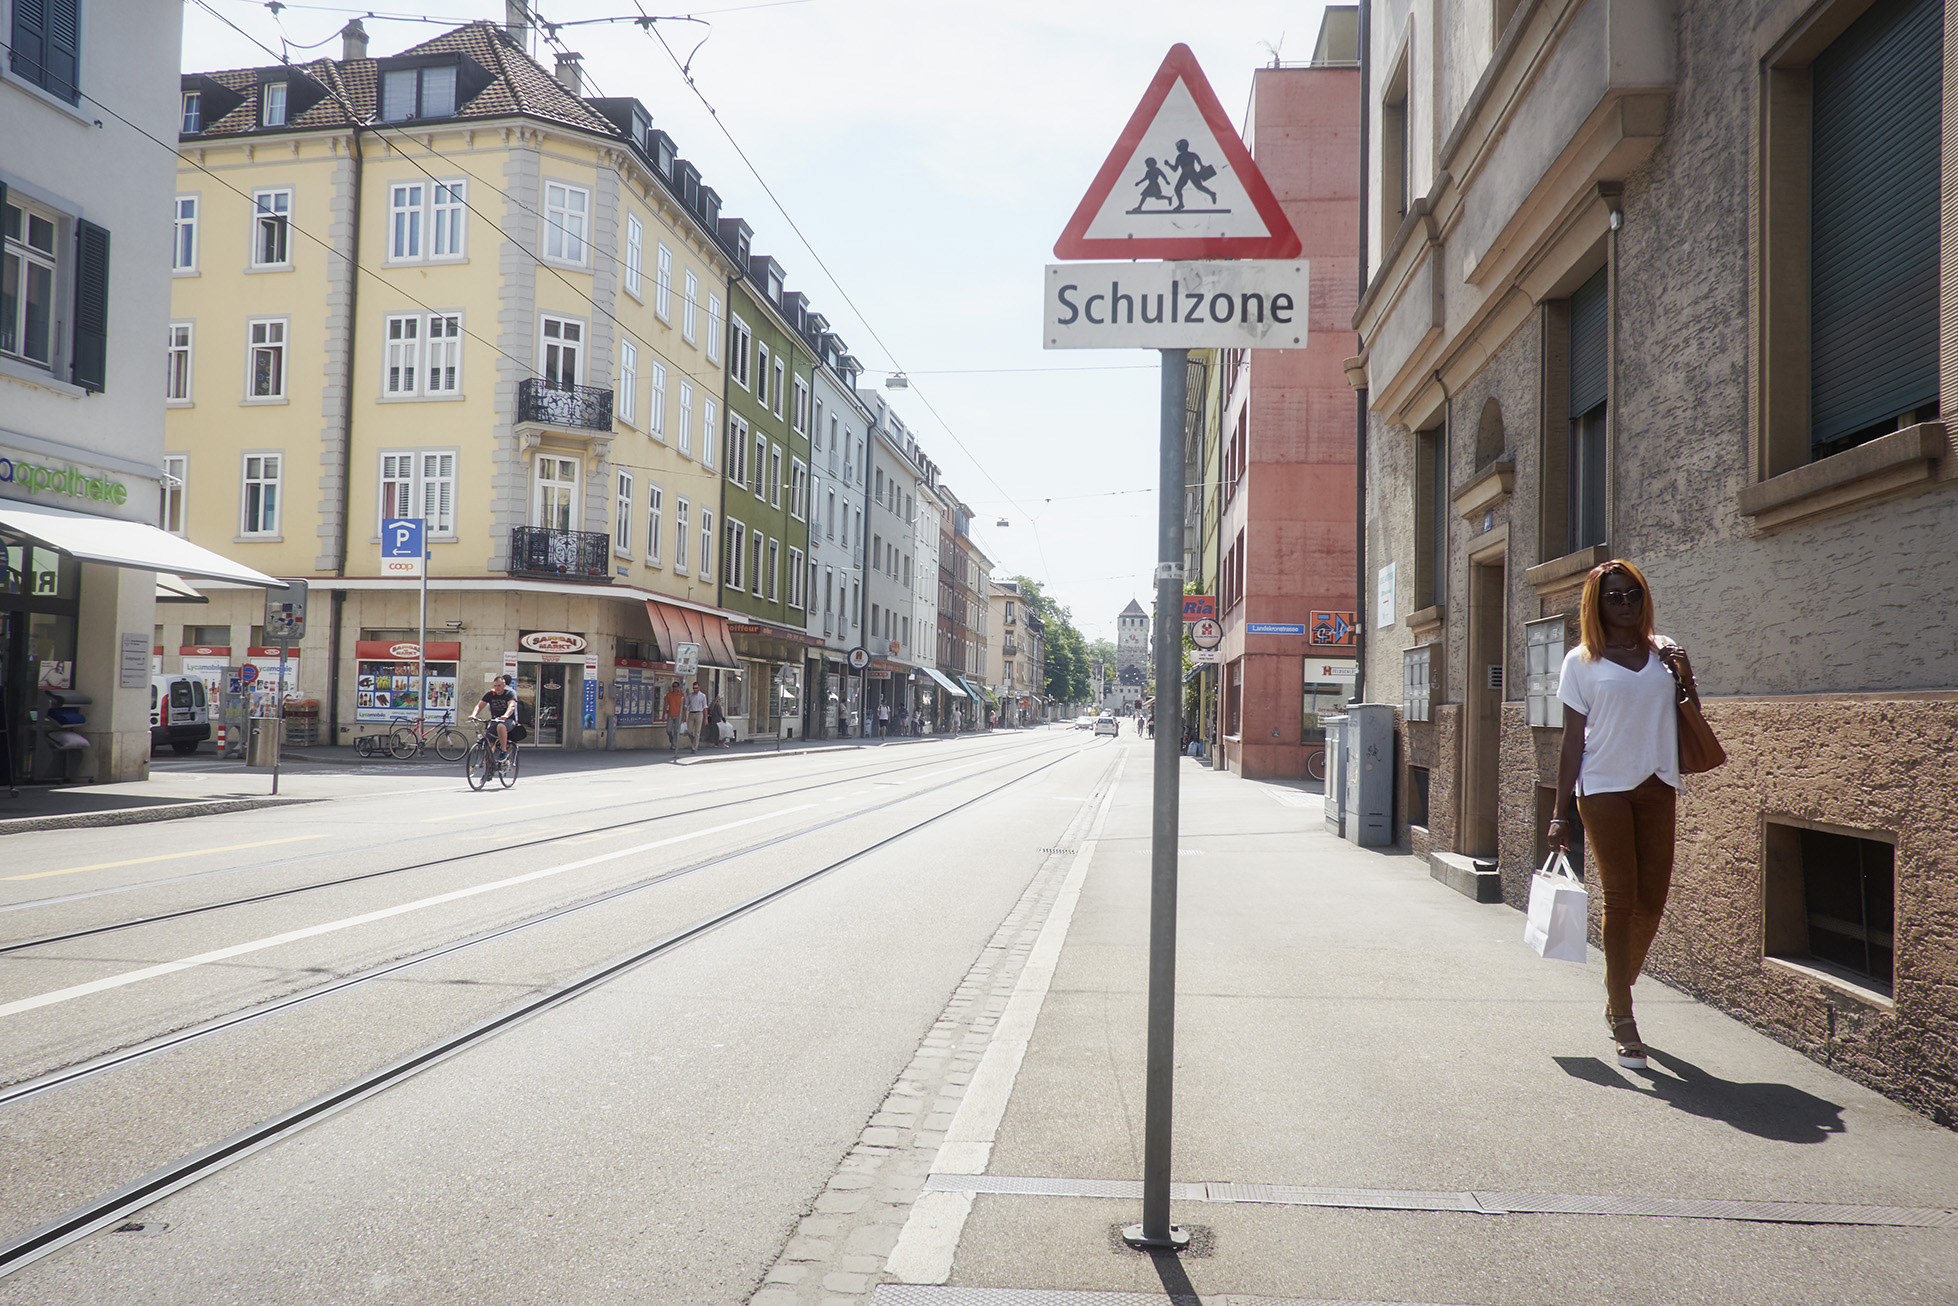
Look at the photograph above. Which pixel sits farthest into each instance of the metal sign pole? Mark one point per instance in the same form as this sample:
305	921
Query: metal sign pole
279	717
1155	1230
421	699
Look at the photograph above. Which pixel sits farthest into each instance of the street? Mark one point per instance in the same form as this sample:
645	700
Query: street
876	1037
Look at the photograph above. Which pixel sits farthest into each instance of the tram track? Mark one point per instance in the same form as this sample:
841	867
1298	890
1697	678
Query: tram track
341	854
101	1212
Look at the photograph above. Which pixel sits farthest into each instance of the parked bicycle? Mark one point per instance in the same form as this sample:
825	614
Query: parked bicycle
1315	762
411	737
487	758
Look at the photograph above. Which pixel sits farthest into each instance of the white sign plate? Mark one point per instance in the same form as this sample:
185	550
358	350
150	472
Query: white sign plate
1204	657
1214	304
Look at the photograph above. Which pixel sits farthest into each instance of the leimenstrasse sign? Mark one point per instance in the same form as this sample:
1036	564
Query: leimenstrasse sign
1180	186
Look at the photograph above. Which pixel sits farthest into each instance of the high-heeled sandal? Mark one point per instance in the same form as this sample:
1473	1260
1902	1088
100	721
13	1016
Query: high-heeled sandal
1624	1033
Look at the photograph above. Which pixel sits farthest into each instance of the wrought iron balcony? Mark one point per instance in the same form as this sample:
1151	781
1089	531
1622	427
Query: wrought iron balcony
553	403
541	551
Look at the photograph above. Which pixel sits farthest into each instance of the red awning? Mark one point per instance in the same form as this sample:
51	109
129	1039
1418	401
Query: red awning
674	626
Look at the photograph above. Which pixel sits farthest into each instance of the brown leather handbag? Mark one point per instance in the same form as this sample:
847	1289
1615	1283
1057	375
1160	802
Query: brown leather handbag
1699	749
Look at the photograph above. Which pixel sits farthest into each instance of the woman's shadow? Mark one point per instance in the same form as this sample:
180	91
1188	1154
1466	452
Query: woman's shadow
1779	1112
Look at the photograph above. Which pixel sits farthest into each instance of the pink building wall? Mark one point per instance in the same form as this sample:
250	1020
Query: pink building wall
1295	505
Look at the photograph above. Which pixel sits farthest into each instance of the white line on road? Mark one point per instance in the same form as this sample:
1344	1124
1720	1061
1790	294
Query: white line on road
329	927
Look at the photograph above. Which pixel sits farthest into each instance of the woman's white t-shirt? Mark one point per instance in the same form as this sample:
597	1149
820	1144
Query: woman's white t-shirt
1631	720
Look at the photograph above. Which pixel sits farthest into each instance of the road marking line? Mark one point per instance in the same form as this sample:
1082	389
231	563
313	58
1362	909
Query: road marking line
164	857
329	927
930	1237
518	807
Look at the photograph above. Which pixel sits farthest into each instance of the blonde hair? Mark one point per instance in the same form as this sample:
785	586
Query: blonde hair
1590	617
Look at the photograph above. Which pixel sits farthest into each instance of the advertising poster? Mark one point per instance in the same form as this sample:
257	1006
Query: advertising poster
387	680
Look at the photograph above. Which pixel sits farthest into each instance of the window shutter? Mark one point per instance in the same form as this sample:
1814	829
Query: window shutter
1589	377
91	306
64	45
29	56
1873	255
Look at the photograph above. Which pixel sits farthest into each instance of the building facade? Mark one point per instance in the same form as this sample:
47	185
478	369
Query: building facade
1577	348
1124	694
835	536
899	476
1018	632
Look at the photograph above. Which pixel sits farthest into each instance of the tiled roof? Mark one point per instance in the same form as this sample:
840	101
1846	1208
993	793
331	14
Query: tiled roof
1134	609
518	85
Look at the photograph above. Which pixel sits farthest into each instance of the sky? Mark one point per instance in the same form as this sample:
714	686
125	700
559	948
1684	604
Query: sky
928	154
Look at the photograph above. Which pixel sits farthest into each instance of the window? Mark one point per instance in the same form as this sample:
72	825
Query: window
1589	395
829	518
856	605
735	554
775	476
420	483
761	466
816	428
795	578
622	511
1831	903
1396	150
655	521
656	408
271	229
680	507
565	209
778	387
272	105
1416	700
799	411
706	544
1543	670
448	211
556	504
47	46
176	386
170	500
709	432
879	484
689	310
407	203
1431	518
774	567
193	112
424	355
739	348
261	498
266	365
755	563
628	399
408	93
737	450
686	412
183	253
761	374
635	254
563	349
713	328
907	571
663	284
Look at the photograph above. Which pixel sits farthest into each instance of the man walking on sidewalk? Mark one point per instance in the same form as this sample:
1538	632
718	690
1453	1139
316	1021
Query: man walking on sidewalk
676	715
884	720
696	715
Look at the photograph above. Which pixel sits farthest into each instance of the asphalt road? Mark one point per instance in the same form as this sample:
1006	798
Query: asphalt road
655	1138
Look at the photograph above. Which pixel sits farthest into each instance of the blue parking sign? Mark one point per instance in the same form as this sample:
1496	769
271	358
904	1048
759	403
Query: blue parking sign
402	547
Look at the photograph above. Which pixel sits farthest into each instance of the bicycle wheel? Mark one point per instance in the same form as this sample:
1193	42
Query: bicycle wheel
364	745
451	744
507	771
476	765
404	743
1315	764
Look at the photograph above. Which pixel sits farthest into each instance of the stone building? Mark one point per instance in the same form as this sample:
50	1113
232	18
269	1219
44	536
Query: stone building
1661	279
1131	683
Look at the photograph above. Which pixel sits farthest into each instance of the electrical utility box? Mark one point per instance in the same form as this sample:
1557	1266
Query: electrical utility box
285	613
1335	727
1368	750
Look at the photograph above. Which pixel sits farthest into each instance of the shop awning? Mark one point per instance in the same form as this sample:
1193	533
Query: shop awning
175	589
979	692
946	681
118	543
674	625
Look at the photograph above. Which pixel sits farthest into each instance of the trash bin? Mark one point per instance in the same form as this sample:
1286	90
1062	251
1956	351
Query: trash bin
262	748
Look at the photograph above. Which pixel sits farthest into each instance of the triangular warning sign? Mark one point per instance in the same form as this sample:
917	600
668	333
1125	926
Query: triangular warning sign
1179	184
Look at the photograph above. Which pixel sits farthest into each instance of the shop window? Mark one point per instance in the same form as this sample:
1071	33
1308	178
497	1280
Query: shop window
1831	903
207	636
1544	663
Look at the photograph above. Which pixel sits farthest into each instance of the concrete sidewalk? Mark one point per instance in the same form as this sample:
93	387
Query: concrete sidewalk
1382	1095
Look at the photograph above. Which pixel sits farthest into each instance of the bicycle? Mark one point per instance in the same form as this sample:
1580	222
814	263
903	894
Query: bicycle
411	737
485	759
1315	762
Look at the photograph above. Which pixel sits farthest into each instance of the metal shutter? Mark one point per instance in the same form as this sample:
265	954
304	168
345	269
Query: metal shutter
91	356
1589	374
1873	259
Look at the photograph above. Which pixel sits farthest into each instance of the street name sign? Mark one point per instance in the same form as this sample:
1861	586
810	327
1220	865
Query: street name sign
401	548
1179	183
1273	628
1218	304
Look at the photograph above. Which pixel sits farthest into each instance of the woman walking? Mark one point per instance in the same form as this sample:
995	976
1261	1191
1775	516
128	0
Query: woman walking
1620	689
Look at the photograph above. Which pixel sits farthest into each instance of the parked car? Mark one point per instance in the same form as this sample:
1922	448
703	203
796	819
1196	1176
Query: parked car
180	713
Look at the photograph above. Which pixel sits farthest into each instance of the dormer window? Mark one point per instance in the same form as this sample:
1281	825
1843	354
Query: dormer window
272	111
193	112
418	93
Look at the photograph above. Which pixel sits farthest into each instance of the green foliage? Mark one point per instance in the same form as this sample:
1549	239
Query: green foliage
1067	654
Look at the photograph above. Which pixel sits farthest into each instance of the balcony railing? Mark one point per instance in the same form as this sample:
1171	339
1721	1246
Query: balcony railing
553	403
541	551
1010	646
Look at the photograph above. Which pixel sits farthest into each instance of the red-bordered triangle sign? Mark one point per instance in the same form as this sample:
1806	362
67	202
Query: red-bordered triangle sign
1179	184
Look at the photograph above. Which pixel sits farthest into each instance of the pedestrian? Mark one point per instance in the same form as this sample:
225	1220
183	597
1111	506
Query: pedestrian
676	715
904	720
1152	182
716	720
1191	171
696	715
1620	761
884	720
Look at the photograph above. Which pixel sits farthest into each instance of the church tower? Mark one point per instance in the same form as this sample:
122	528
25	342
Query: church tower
1131	659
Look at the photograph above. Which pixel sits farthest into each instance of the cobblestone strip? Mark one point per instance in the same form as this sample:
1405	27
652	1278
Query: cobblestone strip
837	1253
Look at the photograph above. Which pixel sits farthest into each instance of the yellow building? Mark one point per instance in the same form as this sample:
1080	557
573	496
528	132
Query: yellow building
497	306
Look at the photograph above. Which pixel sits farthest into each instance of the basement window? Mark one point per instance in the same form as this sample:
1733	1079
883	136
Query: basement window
1831	904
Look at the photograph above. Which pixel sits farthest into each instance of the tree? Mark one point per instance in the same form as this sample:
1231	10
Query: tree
1067	655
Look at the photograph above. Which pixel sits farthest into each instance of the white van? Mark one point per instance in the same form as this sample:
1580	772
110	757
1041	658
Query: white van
180	713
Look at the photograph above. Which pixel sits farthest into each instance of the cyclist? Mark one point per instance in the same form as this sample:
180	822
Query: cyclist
502	705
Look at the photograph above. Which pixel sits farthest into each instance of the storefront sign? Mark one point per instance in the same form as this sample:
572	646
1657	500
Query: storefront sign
388	679
204	651
72	481
1333	671
272	651
510	667
591	691
1335	629
552	641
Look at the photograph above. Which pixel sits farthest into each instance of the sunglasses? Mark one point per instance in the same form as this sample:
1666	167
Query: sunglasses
1624	599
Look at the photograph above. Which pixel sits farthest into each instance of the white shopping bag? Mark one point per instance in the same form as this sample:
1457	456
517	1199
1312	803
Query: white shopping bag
1558	921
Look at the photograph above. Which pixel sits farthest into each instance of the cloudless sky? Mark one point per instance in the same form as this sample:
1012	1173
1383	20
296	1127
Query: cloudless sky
930	153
